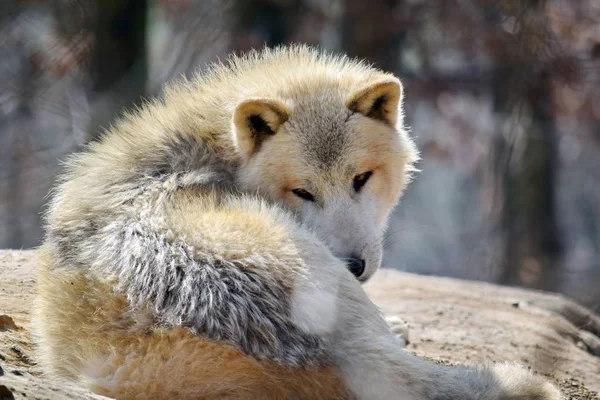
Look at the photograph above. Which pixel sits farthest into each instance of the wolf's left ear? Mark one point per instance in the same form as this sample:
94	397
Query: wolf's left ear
255	120
379	101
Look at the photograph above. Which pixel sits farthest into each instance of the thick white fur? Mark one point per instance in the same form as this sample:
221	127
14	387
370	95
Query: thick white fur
374	365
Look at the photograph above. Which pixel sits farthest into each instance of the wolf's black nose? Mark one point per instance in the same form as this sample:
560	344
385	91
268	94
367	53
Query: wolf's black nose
356	265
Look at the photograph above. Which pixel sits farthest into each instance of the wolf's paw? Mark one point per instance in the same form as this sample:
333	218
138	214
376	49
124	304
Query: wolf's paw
399	327
518	383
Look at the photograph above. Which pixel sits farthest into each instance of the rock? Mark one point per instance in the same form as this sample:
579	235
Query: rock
463	322
6	393
449	321
33	387
7	323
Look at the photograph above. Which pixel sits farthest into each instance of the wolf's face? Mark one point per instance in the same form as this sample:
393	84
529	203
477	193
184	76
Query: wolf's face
339	163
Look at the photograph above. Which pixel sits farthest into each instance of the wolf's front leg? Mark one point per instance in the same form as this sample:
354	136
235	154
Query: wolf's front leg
370	356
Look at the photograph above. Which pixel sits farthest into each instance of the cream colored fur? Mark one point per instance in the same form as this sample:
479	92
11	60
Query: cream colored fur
180	263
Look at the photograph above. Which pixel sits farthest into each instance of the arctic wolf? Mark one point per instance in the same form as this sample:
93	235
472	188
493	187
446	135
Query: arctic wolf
212	244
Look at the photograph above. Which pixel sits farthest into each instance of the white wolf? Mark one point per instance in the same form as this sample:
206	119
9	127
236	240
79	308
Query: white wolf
211	245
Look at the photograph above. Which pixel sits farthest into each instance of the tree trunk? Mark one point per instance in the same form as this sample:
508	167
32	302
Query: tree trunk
371	30
119	62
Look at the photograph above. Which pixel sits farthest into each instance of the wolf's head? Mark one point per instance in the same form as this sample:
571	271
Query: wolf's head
339	157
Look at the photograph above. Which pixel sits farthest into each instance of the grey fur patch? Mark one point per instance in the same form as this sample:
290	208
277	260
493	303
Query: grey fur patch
323	134
325	150
183	154
476	383
236	301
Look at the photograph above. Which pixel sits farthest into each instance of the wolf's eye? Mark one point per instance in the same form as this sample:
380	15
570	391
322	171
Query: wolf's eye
303	194
360	180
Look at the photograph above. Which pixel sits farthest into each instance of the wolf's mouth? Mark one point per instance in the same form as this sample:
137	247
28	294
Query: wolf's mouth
363	279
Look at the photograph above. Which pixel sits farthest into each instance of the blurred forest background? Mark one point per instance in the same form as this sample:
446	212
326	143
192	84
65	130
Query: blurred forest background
503	97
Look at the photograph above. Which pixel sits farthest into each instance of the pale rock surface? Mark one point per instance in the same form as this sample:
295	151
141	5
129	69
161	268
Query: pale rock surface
449	320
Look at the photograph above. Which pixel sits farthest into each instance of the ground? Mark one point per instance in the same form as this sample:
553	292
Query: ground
450	321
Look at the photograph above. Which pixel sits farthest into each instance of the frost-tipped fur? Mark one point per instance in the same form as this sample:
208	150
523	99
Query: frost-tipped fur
180	262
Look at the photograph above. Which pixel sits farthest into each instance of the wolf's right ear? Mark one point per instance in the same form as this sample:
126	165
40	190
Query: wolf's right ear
255	120
379	100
